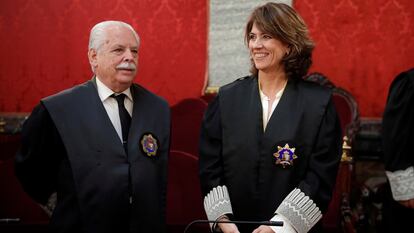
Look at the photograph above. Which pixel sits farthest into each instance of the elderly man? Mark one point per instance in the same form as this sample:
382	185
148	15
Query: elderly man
102	146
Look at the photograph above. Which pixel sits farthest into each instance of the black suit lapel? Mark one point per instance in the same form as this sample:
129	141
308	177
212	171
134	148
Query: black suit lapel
255	113
98	118
138	115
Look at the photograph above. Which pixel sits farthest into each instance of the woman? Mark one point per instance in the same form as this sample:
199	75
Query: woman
270	142
397	141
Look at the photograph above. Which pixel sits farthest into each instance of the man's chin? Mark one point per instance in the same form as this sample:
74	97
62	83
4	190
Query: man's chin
126	78
127	72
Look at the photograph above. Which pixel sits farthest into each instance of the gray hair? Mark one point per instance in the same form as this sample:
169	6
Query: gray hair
98	33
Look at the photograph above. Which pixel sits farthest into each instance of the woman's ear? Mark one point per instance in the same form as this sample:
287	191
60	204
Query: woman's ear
288	48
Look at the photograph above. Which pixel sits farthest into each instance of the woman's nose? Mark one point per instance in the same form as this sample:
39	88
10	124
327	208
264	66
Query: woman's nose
257	43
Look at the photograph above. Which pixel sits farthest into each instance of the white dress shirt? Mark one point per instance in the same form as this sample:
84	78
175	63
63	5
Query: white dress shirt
267	113
111	106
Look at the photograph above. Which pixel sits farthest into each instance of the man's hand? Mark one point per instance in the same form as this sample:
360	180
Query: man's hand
263	229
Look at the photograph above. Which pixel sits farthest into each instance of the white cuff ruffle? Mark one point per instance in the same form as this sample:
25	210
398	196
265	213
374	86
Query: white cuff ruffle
286	228
402	184
300	210
217	203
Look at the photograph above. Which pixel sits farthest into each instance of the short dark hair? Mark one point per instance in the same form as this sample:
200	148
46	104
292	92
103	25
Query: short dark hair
284	23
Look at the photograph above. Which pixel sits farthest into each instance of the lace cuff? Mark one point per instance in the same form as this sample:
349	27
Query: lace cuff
402	184
300	210
217	203
286	228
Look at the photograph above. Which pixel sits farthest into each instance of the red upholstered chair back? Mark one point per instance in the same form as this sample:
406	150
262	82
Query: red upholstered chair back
348	112
9	143
14	202
343	110
186	117
184	199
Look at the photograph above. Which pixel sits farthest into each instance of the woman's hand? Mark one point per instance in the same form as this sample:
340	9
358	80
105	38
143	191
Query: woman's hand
228	227
263	229
408	203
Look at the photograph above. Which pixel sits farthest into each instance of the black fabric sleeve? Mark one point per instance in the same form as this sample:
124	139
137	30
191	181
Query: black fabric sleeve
210	159
37	160
398	124
324	161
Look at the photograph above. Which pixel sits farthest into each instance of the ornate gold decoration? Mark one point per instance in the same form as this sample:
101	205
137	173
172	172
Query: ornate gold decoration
346	151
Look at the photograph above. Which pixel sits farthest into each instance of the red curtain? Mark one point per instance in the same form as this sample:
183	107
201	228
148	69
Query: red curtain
361	45
44	46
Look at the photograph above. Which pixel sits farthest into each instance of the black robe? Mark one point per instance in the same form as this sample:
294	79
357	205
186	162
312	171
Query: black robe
398	145
236	152
70	146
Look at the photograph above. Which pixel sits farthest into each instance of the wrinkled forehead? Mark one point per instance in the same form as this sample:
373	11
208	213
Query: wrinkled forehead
119	32
121	35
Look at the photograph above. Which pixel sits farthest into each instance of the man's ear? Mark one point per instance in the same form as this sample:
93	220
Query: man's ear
93	57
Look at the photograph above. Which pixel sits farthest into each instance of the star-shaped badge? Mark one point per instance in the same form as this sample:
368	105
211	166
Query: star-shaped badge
285	155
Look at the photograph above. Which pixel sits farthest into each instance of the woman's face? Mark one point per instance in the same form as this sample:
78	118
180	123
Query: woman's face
267	52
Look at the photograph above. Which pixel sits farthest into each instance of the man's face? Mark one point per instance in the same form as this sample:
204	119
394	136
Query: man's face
116	61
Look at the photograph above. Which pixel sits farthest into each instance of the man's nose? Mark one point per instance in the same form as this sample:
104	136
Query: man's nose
129	55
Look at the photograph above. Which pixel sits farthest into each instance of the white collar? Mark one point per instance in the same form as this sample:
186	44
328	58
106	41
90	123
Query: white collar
105	92
278	94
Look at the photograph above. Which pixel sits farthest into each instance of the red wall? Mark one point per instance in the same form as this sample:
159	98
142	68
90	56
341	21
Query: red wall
43	46
361	45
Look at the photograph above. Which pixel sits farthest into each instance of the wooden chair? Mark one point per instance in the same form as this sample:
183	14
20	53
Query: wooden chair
339	210
339	217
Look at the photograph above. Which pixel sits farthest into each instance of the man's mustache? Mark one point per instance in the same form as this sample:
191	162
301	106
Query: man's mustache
126	66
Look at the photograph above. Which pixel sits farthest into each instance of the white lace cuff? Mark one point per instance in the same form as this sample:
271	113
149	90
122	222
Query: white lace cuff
402	184
286	228
300	210
217	203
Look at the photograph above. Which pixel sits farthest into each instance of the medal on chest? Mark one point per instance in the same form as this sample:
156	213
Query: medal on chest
285	155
